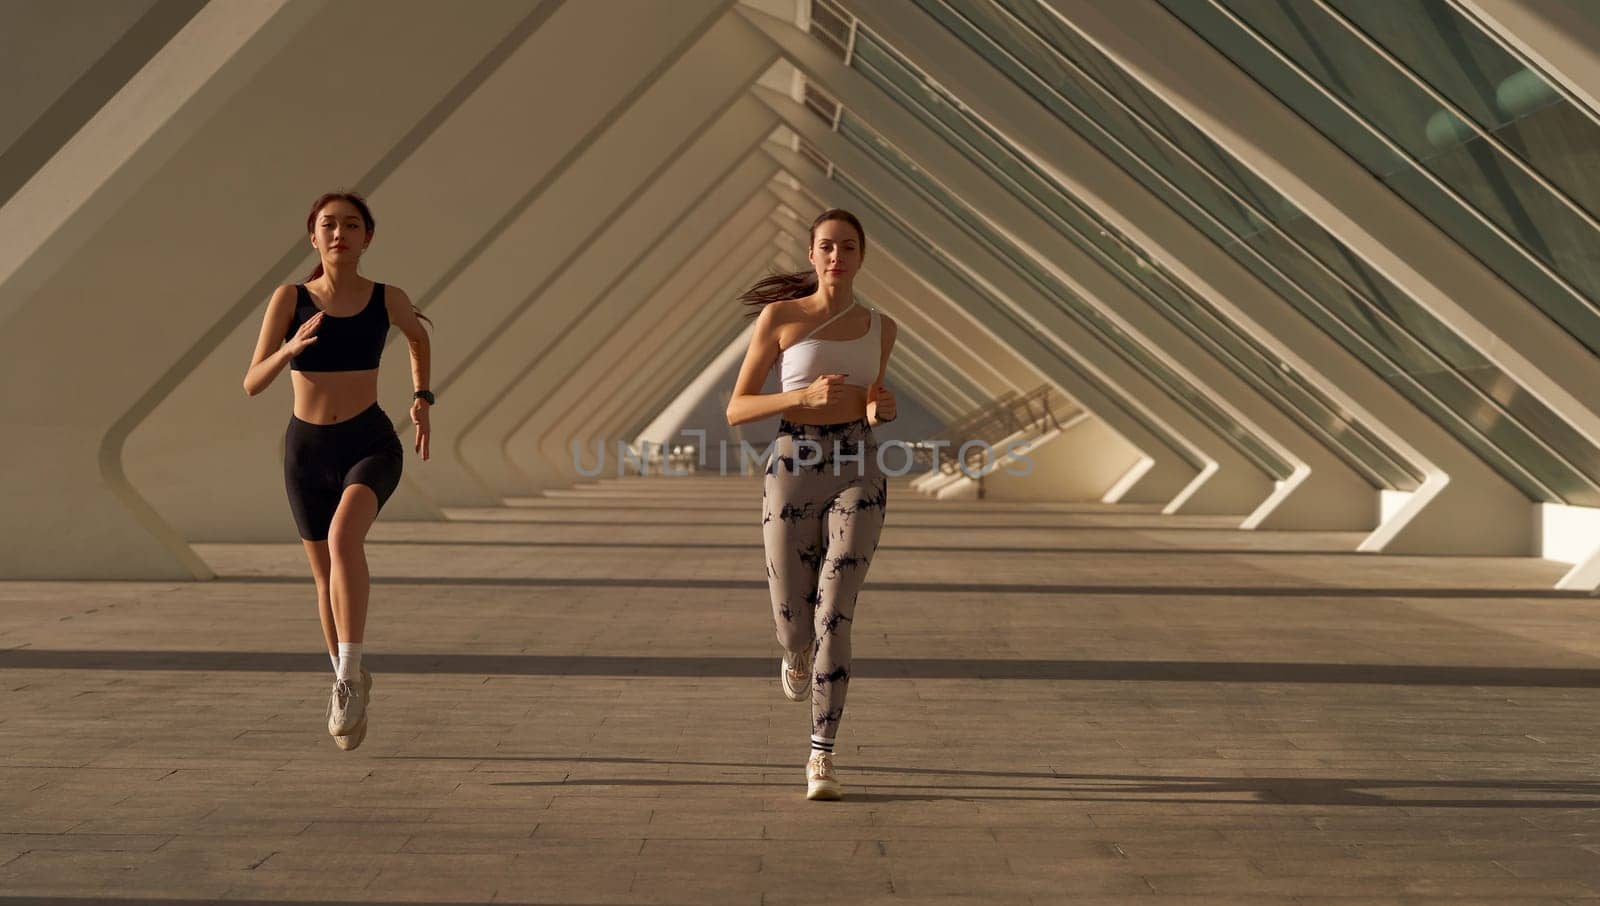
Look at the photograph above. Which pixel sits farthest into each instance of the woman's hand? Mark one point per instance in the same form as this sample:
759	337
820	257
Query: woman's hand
824	391
880	407
305	336
419	418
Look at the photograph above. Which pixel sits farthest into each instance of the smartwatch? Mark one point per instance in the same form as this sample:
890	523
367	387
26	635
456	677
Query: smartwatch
424	395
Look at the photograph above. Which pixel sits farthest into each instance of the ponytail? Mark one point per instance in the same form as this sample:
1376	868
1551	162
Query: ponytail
798	285
777	288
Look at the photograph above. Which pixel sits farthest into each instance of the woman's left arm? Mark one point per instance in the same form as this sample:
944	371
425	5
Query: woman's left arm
880	401
403	314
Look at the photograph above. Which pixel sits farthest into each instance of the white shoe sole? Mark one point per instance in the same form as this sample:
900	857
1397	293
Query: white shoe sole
337	730
824	790
354	738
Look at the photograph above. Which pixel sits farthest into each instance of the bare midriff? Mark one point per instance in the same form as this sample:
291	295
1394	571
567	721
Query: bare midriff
851	408
329	397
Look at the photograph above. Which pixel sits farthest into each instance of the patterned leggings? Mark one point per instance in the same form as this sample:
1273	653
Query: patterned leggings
822	512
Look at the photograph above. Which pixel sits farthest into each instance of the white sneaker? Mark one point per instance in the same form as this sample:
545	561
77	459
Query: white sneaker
794	672
347	708
351	740
820	782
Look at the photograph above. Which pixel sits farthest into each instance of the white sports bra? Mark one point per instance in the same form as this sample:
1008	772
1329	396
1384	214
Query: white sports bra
809	359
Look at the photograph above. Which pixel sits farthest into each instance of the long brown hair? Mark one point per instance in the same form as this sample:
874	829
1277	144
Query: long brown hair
799	284
365	210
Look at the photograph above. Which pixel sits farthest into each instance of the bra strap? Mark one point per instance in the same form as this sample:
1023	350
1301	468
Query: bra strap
853	304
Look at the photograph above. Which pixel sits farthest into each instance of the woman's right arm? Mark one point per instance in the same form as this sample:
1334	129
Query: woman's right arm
272	353
748	403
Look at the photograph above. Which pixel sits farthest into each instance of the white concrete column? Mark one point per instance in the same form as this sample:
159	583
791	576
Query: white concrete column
941	376
684	229
62	61
555	230
1167	477
1323	493
1094	458
664	428
604	277
1230	484
634	353
671	364
1463	506
212	465
214	113
1336	192
588	367
1372	222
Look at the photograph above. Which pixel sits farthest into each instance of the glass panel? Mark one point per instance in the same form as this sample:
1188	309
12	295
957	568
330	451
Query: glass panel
1265	232
1077	222
881	212
1334	66
810	153
1502	95
829	24
826	108
1535	224
1199	403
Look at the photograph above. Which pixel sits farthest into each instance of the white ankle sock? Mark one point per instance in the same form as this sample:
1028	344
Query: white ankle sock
333	658
349	664
821	745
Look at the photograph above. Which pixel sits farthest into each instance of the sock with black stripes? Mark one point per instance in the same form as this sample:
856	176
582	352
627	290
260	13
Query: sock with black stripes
821	744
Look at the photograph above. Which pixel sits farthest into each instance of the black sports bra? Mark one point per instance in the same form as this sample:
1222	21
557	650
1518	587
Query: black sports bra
353	343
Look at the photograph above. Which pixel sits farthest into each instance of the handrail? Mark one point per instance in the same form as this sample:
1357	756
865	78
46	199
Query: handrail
981	430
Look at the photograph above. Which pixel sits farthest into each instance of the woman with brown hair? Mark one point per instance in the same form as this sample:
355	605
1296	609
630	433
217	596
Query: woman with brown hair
342	458
825	492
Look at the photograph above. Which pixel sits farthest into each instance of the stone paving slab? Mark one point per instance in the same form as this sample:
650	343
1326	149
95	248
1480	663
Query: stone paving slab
575	702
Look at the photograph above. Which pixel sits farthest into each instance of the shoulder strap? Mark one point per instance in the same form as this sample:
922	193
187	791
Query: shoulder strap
836	317
300	298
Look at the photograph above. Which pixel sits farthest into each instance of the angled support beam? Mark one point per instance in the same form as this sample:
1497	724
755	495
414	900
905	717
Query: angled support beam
62	61
1231	485
1461	505
680	334
664	428
583	374
97	221
663	231
1320	492
449	234
1332	189
551	235
604	277
674	364
949	301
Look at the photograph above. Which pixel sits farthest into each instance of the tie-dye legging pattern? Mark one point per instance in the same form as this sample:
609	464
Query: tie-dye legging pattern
822	512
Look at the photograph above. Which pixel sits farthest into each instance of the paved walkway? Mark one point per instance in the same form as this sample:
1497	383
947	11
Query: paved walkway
576	702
